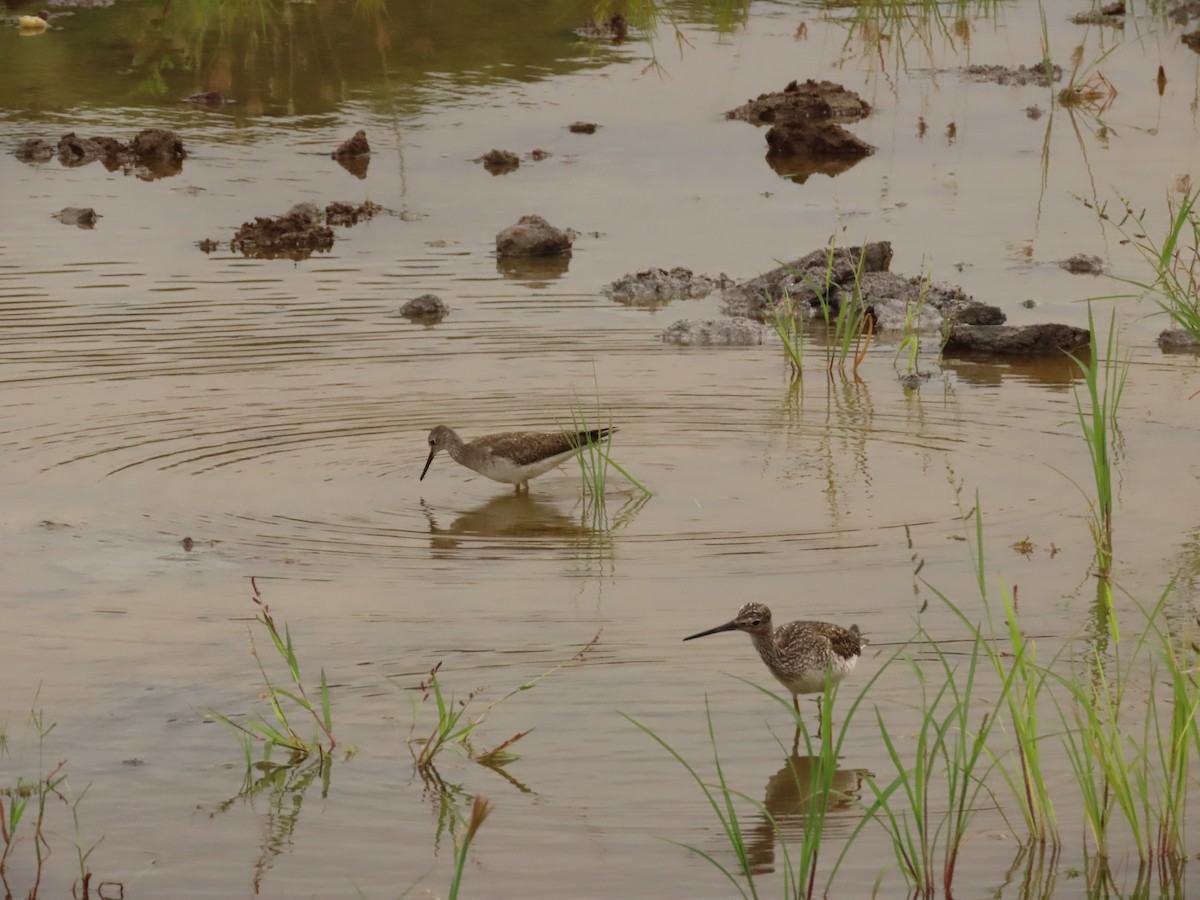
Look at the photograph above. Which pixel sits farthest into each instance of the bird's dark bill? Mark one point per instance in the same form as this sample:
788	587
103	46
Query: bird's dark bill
428	463
728	626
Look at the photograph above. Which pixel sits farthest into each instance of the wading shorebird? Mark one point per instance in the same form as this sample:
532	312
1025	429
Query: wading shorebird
511	457
801	655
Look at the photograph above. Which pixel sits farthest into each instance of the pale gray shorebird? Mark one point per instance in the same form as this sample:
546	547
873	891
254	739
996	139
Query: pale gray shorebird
511	457
799	654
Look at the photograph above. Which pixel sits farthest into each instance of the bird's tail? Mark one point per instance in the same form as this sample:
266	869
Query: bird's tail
594	436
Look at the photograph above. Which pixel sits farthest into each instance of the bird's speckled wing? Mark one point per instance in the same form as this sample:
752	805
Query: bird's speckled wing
794	635
524	448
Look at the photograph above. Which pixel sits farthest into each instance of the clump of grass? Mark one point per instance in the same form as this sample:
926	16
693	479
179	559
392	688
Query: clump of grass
721	798
947	741
841	308
25	817
910	345
1144	778
595	459
1105	383
1017	668
790	330
453	726
1175	262
279	731
849	320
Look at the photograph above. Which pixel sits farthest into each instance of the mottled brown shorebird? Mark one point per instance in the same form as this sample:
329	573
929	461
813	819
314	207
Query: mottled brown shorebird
799	654
511	457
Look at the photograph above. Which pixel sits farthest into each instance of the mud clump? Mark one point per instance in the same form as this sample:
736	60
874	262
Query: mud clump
846	273
804	136
293	235
34	150
1082	264
153	153
1008	340
499	162
1112	15
817	100
303	230
652	288
354	154
614	29
345	215
354	147
1021	75
534	236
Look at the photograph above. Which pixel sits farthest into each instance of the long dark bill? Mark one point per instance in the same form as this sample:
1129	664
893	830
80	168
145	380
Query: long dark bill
728	626
428	463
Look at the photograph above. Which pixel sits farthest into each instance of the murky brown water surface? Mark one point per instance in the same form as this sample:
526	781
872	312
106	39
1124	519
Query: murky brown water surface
276	413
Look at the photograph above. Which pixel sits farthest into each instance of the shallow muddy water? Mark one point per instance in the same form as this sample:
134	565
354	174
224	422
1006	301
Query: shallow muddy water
276	413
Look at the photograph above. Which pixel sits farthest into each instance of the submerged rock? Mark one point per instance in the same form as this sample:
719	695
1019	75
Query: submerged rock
208	98
1034	73
735	332
614	29
793	284
34	150
1112	15
1012	340
82	216
1176	340
1082	264
533	236
499	162
428	309
657	287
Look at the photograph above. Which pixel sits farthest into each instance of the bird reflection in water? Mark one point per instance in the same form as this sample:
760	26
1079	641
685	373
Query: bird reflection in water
788	801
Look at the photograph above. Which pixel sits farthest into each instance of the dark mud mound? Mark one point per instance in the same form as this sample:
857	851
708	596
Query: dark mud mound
153	153
303	230
1009	340
805	137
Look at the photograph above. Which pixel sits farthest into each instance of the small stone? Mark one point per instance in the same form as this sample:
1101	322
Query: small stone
428	308
81	216
533	236
733	332
1176	340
